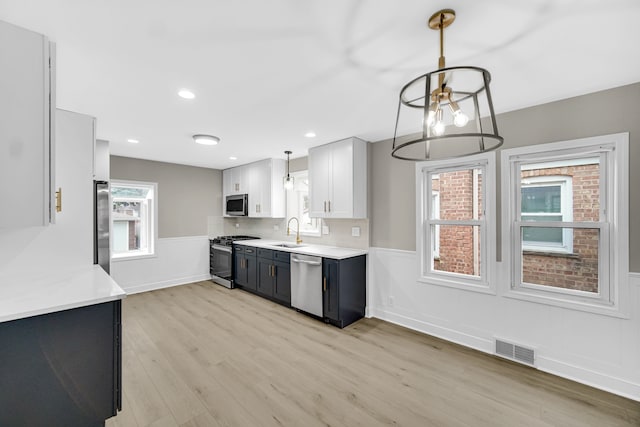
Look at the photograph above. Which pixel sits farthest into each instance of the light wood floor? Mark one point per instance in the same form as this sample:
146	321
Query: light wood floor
204	355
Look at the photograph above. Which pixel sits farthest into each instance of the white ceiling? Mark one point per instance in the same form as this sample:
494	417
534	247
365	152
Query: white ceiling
267	71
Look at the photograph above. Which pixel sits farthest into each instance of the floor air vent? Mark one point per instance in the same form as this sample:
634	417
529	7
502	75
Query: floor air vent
515	352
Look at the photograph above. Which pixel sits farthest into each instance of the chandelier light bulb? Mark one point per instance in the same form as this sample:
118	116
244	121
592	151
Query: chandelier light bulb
438	128
431	116
460	119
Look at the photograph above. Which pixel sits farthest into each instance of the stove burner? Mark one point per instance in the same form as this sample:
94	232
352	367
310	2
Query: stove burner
228	240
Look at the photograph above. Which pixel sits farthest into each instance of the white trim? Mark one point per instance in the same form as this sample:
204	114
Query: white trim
613	269
162	284
426	274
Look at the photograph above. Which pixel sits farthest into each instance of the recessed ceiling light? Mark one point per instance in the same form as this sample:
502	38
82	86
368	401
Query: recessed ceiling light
133	141
310	134
233	158
206	139
186	94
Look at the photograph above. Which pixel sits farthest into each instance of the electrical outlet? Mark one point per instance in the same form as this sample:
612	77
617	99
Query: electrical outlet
325	229
390	301
237	225
355	231
276	227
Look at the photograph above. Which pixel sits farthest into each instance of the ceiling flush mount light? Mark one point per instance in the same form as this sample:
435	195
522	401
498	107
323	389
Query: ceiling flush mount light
132	141
186	94
310	134
288	180
206	139
233	158
446	103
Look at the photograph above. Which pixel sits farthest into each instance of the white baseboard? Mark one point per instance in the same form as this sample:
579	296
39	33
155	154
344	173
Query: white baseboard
146	287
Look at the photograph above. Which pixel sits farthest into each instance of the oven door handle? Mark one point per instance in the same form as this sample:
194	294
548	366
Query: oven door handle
222	248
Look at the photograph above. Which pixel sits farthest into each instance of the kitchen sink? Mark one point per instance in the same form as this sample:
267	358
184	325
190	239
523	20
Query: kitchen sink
287	245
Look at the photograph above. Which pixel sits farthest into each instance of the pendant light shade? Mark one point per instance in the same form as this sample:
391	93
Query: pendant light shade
445	113
288	179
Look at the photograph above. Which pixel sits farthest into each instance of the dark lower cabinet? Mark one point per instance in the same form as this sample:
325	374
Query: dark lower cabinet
245	268
344	290
63	368
274	275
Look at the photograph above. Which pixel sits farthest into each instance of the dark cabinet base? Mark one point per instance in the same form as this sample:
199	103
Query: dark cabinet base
344	290
61	369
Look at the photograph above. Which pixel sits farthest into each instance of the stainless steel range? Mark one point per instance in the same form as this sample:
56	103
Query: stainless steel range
221	258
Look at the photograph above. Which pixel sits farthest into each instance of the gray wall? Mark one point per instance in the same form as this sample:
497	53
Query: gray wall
392	182
187	195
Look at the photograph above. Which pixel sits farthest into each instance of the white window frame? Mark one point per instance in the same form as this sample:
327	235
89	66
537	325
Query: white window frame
294	207
613	225
486	223
151	227
566	210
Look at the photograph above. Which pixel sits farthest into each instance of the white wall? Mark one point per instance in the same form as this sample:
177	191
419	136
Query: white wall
178	260
594	349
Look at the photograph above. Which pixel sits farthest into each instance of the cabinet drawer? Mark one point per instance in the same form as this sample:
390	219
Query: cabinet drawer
281	256
265	253
239	249
249	250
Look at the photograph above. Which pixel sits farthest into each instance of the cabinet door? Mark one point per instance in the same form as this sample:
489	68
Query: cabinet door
319	177
260	189
25	128
341	183
265	277
330	289
282	284
239	270
252	272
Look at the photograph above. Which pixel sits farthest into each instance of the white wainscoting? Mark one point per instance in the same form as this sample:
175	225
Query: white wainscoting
179	260
601	351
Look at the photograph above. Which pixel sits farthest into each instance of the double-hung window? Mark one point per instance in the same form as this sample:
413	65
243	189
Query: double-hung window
455	231
566	222
133	218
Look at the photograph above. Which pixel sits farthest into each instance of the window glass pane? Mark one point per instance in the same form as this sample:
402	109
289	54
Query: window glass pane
570	187
460	194
541	199
458	249
542	235
129	192
577	270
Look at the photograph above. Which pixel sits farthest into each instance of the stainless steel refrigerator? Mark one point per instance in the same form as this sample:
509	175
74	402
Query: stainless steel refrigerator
101	223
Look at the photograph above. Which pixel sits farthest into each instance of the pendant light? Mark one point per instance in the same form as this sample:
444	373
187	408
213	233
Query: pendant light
443	109
288	180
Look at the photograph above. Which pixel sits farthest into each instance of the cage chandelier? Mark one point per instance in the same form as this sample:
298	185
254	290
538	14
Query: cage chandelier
446	103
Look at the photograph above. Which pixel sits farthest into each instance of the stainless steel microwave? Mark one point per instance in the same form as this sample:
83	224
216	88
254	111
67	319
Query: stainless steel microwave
236	205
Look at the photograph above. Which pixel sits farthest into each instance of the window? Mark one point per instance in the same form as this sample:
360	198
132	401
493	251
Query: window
567	223
546	198
455	222
133	218
298	204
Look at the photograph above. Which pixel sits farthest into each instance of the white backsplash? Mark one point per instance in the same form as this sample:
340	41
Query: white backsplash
265	228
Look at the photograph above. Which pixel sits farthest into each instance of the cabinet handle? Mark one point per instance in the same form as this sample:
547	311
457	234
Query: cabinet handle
324	284
59	200
273	271
325	205
237	186
329	205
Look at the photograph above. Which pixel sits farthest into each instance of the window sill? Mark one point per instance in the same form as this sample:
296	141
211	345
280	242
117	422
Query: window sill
132	256
551	254
470	285
557	301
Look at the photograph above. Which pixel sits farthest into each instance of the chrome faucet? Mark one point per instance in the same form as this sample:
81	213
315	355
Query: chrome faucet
298	239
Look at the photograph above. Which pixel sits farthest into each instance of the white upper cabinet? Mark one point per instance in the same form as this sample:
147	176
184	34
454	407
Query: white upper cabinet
27	118
338	179
262	182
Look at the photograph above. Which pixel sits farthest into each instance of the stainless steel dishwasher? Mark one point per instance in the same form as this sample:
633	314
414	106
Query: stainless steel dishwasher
306	283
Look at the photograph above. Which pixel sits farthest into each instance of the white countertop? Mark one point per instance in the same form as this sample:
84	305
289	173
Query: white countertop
324	251
29	295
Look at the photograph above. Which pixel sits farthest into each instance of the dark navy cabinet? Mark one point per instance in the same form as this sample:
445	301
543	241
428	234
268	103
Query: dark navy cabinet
62	368
344	290
245	267
274	275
